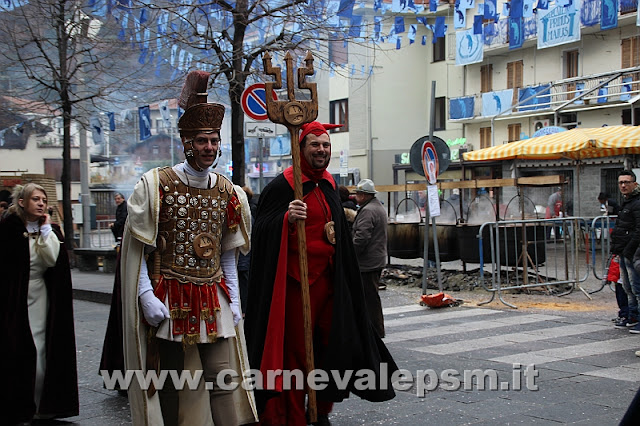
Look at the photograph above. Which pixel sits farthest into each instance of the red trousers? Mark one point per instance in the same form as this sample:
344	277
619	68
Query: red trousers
288	408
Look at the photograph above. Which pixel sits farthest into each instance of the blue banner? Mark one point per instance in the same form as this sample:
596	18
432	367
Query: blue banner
625	89
516	36
144	115
490	9
558	25
461	107
477	24
516	9
468	47
609	15
542	99
112	121
459	17
496	102
602	94
399	24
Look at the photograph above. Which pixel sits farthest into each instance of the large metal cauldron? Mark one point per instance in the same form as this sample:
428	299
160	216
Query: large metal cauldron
510	242
447	242
467	237
403	238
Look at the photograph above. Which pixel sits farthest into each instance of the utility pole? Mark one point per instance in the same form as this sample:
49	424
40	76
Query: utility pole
85	195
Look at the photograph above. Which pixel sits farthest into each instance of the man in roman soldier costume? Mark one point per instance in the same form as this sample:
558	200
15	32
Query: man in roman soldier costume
181	304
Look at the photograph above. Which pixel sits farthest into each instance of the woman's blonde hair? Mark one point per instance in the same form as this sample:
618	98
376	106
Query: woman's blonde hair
23	192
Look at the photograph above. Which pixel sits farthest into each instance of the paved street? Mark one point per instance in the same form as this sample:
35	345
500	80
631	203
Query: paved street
588	372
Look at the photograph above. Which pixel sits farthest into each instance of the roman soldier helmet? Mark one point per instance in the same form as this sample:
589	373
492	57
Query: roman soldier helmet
199	116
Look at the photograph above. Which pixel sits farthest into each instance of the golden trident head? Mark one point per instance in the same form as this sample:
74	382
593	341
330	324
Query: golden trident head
292	113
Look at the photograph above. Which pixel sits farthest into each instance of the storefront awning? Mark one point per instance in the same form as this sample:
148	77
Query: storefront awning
576	144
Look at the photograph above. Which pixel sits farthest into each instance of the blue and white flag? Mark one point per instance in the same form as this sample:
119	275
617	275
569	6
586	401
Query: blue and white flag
477	24
468	47
534	97
112	121
433	5
96	130
602	94
579	91
516	9
461	107
399	25
441	28
144	114
609	15
527	9
346	8
516	36
494	103
625	89
165	113
459	17
413	29
490	9
558	25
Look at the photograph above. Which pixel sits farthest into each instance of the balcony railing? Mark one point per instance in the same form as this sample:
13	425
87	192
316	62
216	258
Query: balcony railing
596	91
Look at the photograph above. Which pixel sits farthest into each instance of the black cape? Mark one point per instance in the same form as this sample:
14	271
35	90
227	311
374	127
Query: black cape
112	349
353	344
18	355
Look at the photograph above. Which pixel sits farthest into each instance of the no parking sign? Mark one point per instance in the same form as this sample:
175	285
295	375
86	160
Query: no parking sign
254	101
430	162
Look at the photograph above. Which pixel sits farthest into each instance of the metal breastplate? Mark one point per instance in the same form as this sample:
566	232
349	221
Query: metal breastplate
190	228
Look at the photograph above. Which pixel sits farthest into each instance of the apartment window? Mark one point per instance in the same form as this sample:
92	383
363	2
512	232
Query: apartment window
53	169
338	51
570	65
514	78
339	114
631	56
439	49
514	132
486	78
155	150
441	113
485	137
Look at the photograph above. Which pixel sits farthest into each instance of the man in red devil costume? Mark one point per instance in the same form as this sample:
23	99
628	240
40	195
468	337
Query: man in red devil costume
343	337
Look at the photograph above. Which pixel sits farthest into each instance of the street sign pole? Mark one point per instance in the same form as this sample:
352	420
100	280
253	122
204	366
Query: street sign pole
260	160
428	210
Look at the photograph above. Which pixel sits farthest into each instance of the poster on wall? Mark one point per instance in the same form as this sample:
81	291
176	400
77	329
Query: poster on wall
559	24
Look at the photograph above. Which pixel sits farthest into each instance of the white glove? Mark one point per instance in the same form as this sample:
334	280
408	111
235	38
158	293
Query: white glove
153	309
237	313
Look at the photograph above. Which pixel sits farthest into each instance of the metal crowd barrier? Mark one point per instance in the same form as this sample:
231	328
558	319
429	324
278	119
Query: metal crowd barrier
533	253
102	236
601	227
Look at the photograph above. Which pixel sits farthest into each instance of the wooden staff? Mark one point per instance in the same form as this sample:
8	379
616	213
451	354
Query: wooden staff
294	114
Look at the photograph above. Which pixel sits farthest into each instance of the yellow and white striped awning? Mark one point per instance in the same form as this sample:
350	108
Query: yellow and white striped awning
575	144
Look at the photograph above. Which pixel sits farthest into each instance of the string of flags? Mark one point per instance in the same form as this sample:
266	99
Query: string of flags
152	34
143	116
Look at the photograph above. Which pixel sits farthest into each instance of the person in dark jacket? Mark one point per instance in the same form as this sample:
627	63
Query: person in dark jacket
625	239
370	242
117	227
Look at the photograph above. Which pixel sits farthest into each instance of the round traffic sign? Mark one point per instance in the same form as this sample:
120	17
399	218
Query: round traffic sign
430	162
442	151
254	101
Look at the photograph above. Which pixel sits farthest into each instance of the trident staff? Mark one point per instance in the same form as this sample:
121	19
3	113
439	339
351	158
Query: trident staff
293	114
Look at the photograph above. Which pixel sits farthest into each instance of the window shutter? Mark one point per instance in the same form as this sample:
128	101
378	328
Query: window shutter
626	53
